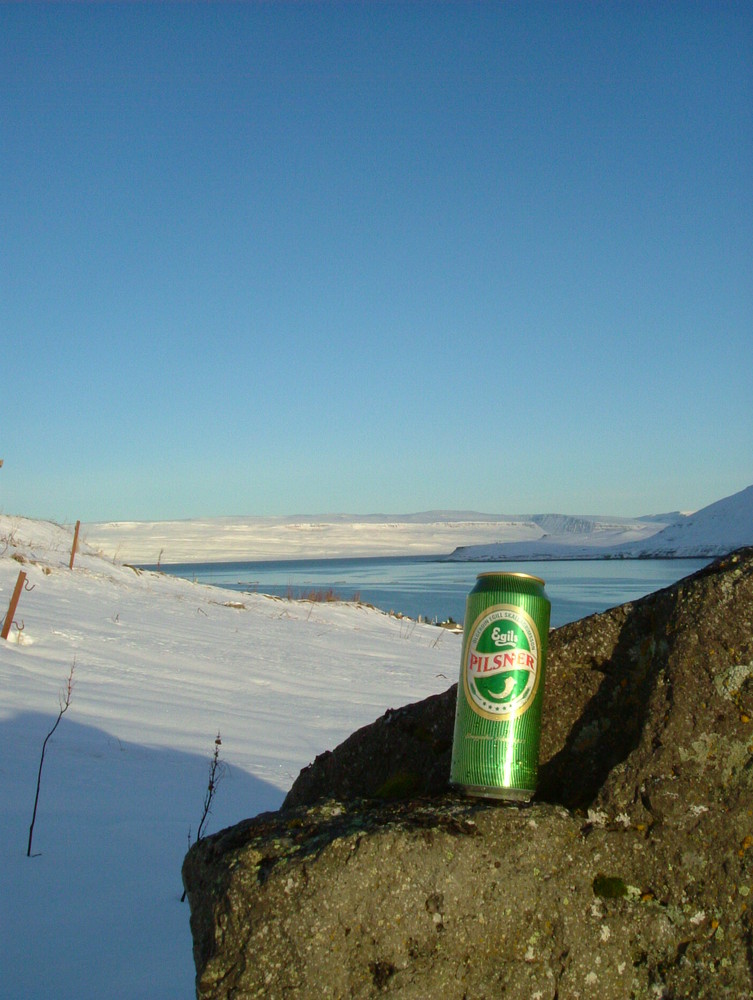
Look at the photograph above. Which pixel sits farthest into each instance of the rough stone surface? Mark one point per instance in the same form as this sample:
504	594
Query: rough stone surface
629	876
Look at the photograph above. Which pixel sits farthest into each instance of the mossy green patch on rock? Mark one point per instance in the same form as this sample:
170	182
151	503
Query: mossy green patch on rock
613	887
398	786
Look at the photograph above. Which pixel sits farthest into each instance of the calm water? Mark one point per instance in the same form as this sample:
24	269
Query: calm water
437	590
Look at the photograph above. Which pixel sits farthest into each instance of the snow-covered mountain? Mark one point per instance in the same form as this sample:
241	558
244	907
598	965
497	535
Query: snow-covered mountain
467	535
326	536
566	537
712	531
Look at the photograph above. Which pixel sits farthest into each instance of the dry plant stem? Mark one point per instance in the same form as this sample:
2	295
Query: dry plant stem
216	769
215	773
65	701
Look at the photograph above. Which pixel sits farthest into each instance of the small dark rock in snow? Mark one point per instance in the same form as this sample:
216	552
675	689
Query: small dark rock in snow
629	876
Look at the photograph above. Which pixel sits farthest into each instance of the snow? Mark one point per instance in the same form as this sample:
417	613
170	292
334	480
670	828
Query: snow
460	535
328	536
324	536
161	666
715	530
572	538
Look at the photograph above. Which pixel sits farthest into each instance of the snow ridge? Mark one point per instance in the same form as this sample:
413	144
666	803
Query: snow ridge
713	531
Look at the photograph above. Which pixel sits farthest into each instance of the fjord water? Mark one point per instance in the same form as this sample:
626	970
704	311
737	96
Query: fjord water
437	590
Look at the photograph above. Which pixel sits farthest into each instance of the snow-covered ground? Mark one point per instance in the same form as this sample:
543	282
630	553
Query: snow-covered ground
161	666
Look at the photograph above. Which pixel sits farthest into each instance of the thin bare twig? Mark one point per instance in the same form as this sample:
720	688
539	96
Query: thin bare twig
216	773
65	701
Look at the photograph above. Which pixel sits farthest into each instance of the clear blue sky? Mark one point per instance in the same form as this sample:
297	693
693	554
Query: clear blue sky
270	258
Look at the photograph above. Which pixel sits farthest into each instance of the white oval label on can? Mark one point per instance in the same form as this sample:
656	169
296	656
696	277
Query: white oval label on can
502	663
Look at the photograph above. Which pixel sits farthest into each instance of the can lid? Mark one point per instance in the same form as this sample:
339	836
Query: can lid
520	576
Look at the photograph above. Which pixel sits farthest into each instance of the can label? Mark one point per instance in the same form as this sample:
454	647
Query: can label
502	663
495	747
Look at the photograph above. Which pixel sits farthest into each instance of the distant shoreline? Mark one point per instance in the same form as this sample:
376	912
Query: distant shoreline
156	567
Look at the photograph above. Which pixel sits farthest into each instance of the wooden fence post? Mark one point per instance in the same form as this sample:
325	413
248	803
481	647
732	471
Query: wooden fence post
75	543
13	605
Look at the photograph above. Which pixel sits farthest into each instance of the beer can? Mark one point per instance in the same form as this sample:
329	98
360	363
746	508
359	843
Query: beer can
495	749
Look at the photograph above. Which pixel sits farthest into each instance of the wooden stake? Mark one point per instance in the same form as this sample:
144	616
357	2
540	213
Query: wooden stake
13	605
75	543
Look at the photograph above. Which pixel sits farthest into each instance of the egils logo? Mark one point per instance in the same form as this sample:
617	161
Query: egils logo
502	663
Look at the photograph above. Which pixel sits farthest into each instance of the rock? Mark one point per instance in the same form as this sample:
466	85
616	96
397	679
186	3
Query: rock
405	753
630	875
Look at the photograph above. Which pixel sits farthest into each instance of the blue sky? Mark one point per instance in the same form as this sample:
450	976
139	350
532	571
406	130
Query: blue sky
288	258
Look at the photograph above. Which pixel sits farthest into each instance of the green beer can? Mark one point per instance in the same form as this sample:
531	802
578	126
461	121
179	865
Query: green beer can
495	749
